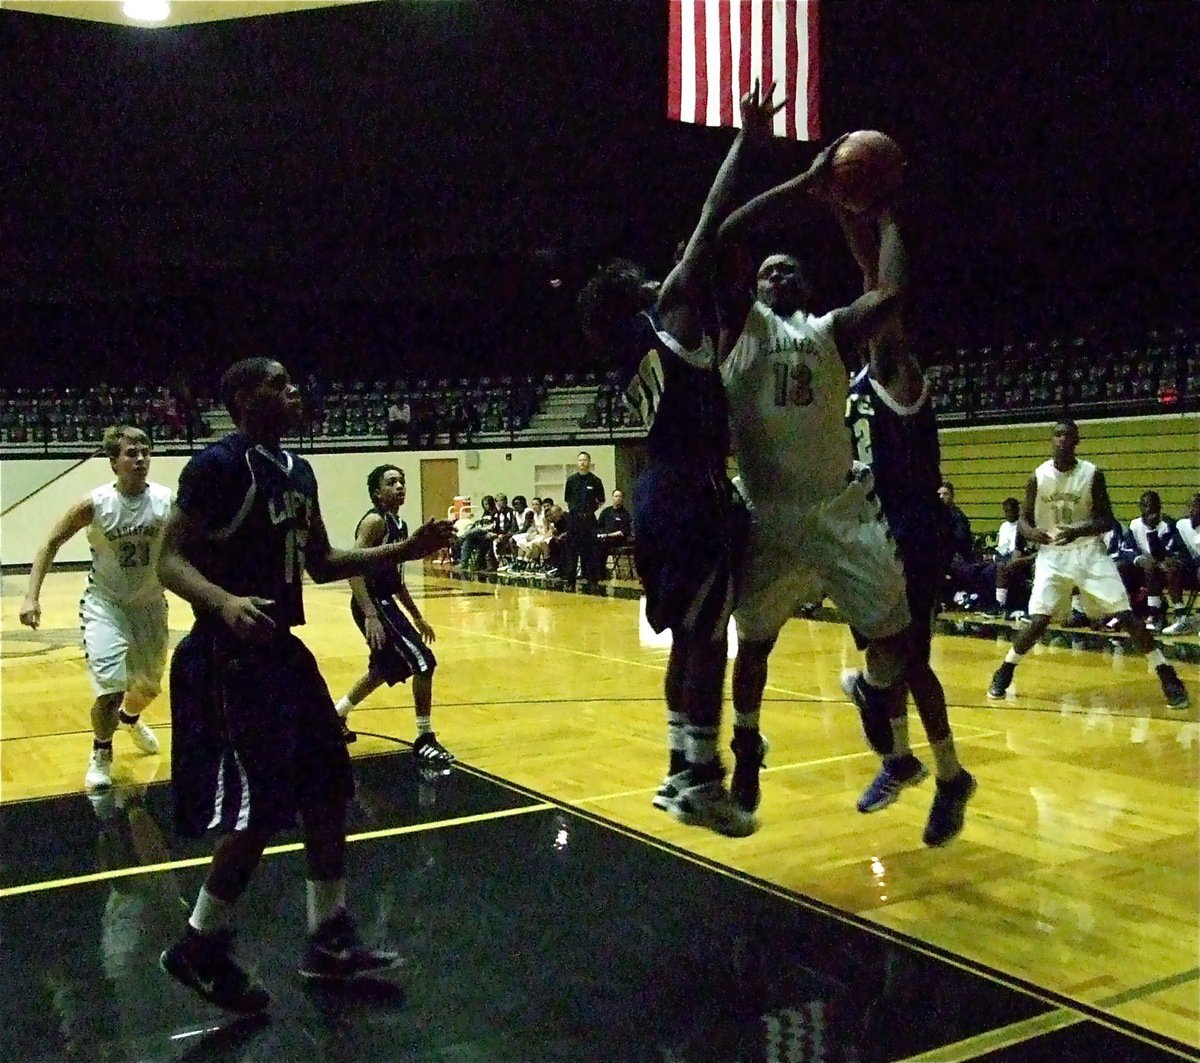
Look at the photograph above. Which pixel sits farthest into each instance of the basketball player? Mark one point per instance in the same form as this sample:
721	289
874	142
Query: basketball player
398	648
1066	511
688	524
256	737
123	610
817	527
893	429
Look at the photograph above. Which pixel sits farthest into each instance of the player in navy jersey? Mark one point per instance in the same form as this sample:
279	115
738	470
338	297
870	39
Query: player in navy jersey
893	429
381	606
688	526
256	737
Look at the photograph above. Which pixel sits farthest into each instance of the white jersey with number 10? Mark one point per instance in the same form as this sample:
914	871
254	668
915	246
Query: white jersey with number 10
1063	497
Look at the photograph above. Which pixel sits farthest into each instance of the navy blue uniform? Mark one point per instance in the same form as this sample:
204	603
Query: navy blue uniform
901	446
404	654
256	736
689	524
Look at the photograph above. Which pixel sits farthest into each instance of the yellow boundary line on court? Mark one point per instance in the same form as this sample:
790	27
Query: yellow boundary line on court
1060	1019
272	850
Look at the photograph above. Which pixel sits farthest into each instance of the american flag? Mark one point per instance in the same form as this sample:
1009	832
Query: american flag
718	47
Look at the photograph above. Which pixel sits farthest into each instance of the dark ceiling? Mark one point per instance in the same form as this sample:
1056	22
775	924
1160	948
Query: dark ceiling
398	173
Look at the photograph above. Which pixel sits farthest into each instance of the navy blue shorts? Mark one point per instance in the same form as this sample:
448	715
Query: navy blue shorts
689	531
404	654
255	738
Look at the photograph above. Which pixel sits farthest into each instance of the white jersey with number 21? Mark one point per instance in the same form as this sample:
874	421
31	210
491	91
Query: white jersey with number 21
126	536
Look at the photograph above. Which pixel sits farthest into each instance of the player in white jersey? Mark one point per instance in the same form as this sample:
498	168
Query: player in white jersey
818	526
123	612
1066	512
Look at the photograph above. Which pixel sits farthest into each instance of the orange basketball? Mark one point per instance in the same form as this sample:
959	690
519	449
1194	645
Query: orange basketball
866	169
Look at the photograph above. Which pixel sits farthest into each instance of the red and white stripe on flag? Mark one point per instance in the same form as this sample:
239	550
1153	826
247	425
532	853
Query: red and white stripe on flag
718	47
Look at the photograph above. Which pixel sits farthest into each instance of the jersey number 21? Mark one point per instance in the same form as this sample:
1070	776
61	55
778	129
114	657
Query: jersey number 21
858	416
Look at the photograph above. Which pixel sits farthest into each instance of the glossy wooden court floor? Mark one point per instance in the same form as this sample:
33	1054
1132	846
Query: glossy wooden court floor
1068	909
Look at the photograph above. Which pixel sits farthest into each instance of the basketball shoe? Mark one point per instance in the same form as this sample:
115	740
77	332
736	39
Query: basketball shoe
708	804
894	776
204	964
335	953
750	755
142	736
99	770
949	808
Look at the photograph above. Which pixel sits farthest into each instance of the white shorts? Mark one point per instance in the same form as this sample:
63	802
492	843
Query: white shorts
125	645
841	548
1085	565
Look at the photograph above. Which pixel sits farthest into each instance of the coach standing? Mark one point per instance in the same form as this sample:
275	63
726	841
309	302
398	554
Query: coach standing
584	495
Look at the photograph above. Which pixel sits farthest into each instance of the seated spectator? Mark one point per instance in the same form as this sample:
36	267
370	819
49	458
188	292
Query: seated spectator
532	542
503	549
962	573
476	543
614	527
1156	555
557	545
1187	534
1013	562
524	512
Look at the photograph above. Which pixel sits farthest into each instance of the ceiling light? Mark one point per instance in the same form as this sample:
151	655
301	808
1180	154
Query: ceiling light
146	10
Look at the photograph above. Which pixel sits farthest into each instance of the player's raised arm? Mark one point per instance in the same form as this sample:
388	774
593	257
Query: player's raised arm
735	271
686	289
864	319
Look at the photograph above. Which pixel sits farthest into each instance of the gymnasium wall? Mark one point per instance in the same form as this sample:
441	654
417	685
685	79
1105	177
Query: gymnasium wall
988	464
342	479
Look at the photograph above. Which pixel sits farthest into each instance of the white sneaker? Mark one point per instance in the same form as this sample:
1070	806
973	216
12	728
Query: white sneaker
1185	625
143	737
667	794
99	770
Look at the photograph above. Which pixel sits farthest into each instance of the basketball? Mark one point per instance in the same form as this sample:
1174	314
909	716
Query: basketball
866	169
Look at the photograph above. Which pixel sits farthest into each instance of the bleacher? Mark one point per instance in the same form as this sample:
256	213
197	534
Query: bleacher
1087	377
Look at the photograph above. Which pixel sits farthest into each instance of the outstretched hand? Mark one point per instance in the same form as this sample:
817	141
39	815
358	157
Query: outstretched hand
820	173
430	537
758	110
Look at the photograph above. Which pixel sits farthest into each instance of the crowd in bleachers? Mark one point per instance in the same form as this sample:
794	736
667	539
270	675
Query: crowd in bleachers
462	409
70	415
1025	381
1087	375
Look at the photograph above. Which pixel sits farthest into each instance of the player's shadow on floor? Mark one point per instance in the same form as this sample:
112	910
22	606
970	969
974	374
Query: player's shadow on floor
337	999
